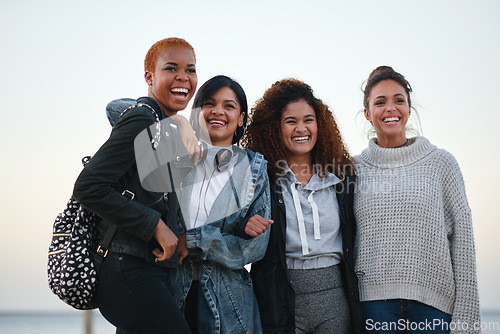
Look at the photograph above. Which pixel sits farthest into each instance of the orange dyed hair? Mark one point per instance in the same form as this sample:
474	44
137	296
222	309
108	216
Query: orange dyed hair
263	134
158	47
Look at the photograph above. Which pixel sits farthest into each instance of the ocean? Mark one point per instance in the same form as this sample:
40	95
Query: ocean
74	323
56	323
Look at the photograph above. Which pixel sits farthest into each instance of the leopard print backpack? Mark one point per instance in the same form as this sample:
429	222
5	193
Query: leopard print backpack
75	254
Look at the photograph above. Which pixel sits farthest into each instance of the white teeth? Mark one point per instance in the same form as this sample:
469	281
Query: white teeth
216	122
301	138
180	90
391	119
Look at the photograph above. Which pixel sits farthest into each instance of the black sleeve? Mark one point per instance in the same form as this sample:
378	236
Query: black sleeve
97	187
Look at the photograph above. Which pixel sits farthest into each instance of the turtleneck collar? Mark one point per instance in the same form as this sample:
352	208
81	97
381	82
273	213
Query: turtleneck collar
382	157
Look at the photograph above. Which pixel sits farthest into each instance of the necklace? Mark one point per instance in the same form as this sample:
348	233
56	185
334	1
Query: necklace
406	142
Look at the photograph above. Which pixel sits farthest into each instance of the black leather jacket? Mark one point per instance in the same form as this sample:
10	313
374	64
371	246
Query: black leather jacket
270	275
113	169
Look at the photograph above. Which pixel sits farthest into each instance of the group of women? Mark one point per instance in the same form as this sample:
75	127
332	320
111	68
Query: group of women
336	244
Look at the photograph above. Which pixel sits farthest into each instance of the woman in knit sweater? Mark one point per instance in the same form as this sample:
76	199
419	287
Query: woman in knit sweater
415	254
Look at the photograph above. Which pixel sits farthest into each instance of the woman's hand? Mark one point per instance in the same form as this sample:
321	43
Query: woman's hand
183	251
257	225
167	240
188	137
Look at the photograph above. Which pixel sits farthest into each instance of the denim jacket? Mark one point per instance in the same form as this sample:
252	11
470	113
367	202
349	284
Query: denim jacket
227	303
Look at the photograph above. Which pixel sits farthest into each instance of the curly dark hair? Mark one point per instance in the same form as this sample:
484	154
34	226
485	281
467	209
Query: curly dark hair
263	134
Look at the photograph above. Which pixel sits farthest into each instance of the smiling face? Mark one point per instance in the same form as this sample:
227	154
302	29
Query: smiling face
222	115
174	80
299	129
388	111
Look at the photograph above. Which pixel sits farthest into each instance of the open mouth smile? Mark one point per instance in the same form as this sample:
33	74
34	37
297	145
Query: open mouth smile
301	139
180	92
216	122
391	120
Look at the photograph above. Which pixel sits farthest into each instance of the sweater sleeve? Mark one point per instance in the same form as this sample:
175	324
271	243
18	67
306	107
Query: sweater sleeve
466	313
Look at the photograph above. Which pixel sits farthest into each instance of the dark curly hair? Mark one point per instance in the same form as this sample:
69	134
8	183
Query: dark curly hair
263	134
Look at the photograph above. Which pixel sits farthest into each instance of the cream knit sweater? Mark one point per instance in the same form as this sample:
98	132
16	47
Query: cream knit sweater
414	237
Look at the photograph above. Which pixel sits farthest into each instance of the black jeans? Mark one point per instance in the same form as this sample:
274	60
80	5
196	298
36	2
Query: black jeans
134	296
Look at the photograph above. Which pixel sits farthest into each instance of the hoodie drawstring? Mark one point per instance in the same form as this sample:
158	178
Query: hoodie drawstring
300	218
317	233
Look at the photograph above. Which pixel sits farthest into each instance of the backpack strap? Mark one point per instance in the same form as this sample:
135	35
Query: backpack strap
102	248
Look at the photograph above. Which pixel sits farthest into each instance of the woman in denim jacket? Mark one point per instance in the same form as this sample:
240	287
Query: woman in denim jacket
228	189
132	292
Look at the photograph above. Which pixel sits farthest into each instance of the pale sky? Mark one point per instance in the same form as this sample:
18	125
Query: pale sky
61	62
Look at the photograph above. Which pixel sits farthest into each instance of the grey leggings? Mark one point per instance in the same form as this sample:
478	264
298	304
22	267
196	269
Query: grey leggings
320	301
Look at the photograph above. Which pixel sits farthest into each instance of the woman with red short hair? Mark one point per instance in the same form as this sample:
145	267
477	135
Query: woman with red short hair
132	291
